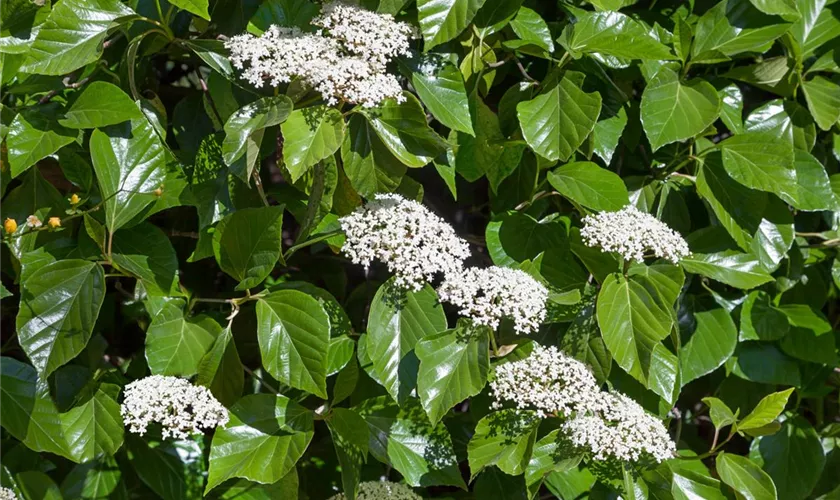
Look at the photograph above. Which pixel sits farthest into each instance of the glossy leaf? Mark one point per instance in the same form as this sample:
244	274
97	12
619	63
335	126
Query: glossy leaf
443	20
766	411
94	427
710	345
100	104
175	346
745	477
505	439
612	34
31	137
590	185
144	251
823	97
247	244
369	165
59	306
793	458
443	92
350	438
221	371
244	132
294	333
309	136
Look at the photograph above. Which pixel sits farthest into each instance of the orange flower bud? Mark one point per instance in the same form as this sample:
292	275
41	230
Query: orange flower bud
54	222
74	200
158	192
10	226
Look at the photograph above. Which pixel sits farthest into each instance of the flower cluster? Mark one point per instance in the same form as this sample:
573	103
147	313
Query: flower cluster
631	232
413	242
619	428
381	490
488	295
7	494
345	60
178	406
609	425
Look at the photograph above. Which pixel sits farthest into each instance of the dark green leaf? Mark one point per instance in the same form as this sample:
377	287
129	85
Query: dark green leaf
94	427
100	104
732	27
731	267
287	13
175	346
33	136
350	437
145	252
793	458
453	367
443	20
612	34
762	162
294	333
264	439
505	439
765	363
590	185
711	344
197	7
370	166
442	91
745	477
532	29
244	132
220	370
247	244
515	237
309	136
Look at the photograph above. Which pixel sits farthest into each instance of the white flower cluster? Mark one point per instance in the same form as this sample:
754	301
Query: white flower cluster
631	232
619	428
413	242
607	424
547	381
178	406
7	494
488	295
381	490
345	60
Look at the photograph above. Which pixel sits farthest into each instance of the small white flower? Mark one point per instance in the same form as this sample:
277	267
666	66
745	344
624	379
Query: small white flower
619	428
381	490
7	494
346	60
33	221
414	243
631	232
178	406
488	295
547	381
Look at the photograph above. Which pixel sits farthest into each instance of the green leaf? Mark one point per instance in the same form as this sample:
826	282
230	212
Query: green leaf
443	20
247	244
220	370
309	136
350	437
765	363
732	107
766	411
244	132
711	344
294	335
761	162
242	489
813	187
167	469
720	414
215	55
731	267
776	7
793	458
551	453
197	7
145	251
58	308
453	367
404	439
634	315
175	346
73	34
611	34
823	98
95	479
368	163
688	484
590	185
403	129
94	427
673	111
505	439
785	120
556	122
442	91
264	439
130	163
608	130
761	320
36	484
398	319
33	136
286	13
514	237
817	25
100	104
532	29
745	477
732	27
29	413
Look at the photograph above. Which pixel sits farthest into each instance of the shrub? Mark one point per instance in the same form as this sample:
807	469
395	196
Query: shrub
420	249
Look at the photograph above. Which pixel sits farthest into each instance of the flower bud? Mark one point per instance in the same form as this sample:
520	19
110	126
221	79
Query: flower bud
54	222
10	226
74	200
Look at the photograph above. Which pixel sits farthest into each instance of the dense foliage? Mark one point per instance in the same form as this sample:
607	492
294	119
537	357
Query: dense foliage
621	277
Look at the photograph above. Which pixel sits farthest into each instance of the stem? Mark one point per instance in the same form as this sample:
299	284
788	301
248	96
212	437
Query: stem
315	195
209	97
262	381
110	244
258	183
493	344
310	242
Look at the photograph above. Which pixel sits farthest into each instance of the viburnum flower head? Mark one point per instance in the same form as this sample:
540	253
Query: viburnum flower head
414	243
630	232
178	406
488	295
381	490
547	381
619	428
345	60
7	494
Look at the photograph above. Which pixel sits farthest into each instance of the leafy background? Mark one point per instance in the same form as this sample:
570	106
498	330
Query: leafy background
201	197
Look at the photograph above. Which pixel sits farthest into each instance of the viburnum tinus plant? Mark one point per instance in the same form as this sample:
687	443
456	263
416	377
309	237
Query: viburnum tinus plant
401	249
